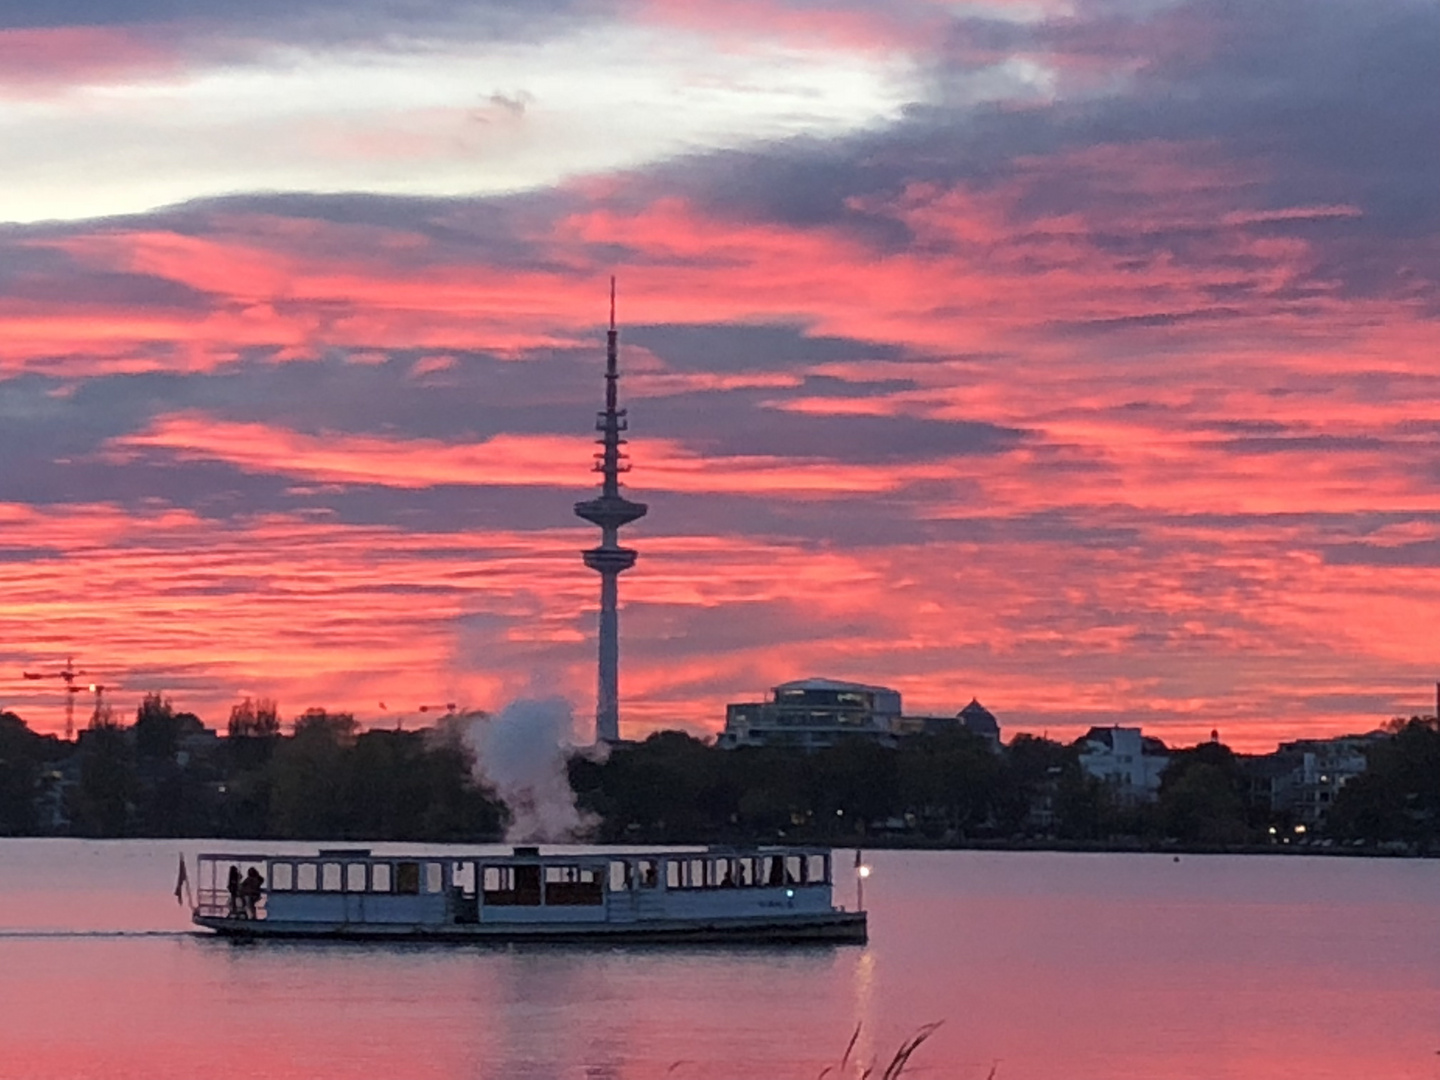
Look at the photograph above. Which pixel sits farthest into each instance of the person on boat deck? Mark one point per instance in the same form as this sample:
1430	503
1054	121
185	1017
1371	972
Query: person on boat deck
250	891
233	884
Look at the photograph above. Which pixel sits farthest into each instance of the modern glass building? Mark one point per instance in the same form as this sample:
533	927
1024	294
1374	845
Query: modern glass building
814	713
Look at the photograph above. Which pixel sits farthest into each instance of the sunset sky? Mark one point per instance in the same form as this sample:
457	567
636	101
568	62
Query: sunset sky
1076	356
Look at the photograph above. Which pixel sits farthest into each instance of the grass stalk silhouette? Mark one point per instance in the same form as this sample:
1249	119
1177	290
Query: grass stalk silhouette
897	1062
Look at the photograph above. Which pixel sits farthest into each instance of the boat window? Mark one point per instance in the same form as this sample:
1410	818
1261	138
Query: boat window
794	869
407	878
306	875
696	876
818	871
569	885
672	873
434	877
619	876
355	877
380	877
330	876
772	870
462	877
282	877
511	886
645	873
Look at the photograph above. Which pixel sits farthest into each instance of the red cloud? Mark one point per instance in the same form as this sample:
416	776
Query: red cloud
1204	399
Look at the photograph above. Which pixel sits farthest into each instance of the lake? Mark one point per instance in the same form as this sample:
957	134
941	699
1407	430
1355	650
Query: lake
1039	966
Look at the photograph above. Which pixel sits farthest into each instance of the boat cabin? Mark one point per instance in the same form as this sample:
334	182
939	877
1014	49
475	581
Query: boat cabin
348	886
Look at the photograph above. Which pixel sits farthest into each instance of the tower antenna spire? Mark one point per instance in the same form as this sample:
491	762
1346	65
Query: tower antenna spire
610	511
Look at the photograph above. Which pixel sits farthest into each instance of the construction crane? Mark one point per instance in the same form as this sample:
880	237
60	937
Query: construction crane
449	708
69	675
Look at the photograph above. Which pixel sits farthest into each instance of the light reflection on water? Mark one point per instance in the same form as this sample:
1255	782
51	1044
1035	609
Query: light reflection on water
1042	966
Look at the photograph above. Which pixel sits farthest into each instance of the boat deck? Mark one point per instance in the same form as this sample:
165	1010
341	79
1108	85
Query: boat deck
694	895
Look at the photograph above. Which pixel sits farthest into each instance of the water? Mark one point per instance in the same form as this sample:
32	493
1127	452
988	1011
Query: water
1040	966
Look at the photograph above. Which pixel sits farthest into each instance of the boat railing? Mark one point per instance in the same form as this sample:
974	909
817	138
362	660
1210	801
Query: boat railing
214	896
217	904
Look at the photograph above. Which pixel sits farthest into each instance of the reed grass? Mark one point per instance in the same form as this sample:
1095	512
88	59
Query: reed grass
897	1062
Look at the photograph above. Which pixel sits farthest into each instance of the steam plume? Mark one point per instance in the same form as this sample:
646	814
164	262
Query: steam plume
521	753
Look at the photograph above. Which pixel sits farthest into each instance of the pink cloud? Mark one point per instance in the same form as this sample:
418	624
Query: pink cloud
52	58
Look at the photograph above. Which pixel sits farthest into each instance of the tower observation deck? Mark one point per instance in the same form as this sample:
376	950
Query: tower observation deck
610	511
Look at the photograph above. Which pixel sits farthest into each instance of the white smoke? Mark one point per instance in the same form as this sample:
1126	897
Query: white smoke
521	754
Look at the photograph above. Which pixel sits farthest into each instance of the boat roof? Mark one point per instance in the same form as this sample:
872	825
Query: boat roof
527	852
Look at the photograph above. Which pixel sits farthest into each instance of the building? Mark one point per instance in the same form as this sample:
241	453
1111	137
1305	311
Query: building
812	714
1301	779
1129	762
974	718
978	720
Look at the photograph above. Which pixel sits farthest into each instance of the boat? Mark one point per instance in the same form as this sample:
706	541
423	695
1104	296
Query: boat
760	894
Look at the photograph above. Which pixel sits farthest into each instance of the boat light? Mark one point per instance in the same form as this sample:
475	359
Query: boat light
864	871
790	894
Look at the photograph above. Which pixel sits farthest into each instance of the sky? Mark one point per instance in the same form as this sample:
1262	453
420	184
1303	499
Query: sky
1079	357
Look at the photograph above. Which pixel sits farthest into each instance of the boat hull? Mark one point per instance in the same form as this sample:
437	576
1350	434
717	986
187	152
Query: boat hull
834	927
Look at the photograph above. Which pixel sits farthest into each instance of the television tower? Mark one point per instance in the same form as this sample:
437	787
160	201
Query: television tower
610	511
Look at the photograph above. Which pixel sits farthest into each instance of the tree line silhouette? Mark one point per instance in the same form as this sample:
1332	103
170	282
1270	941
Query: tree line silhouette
164	775
327	779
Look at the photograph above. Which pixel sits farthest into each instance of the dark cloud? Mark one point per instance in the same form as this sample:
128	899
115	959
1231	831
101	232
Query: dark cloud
677	632
29	554
1335	106
712	428
47	275
504	228
1305	444
1374	705
732	348
1418	553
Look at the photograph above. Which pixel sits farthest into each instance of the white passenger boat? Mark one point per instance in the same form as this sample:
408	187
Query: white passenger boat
695	895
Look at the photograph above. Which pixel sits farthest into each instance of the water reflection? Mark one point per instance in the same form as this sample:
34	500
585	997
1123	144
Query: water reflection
1045	967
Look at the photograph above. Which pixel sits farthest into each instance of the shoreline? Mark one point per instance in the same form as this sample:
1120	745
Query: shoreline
1391	850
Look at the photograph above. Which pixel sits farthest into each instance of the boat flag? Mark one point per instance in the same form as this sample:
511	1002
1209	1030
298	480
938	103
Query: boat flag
182	881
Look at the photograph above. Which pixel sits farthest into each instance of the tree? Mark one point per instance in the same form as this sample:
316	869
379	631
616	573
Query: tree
157	730
1202	796
254	719
253	731
851	785
1397	798
407	785
105	798
308	777
340	726
1039	774
22	753
951	783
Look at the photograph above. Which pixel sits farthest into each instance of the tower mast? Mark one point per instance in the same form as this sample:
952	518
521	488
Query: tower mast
610	511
